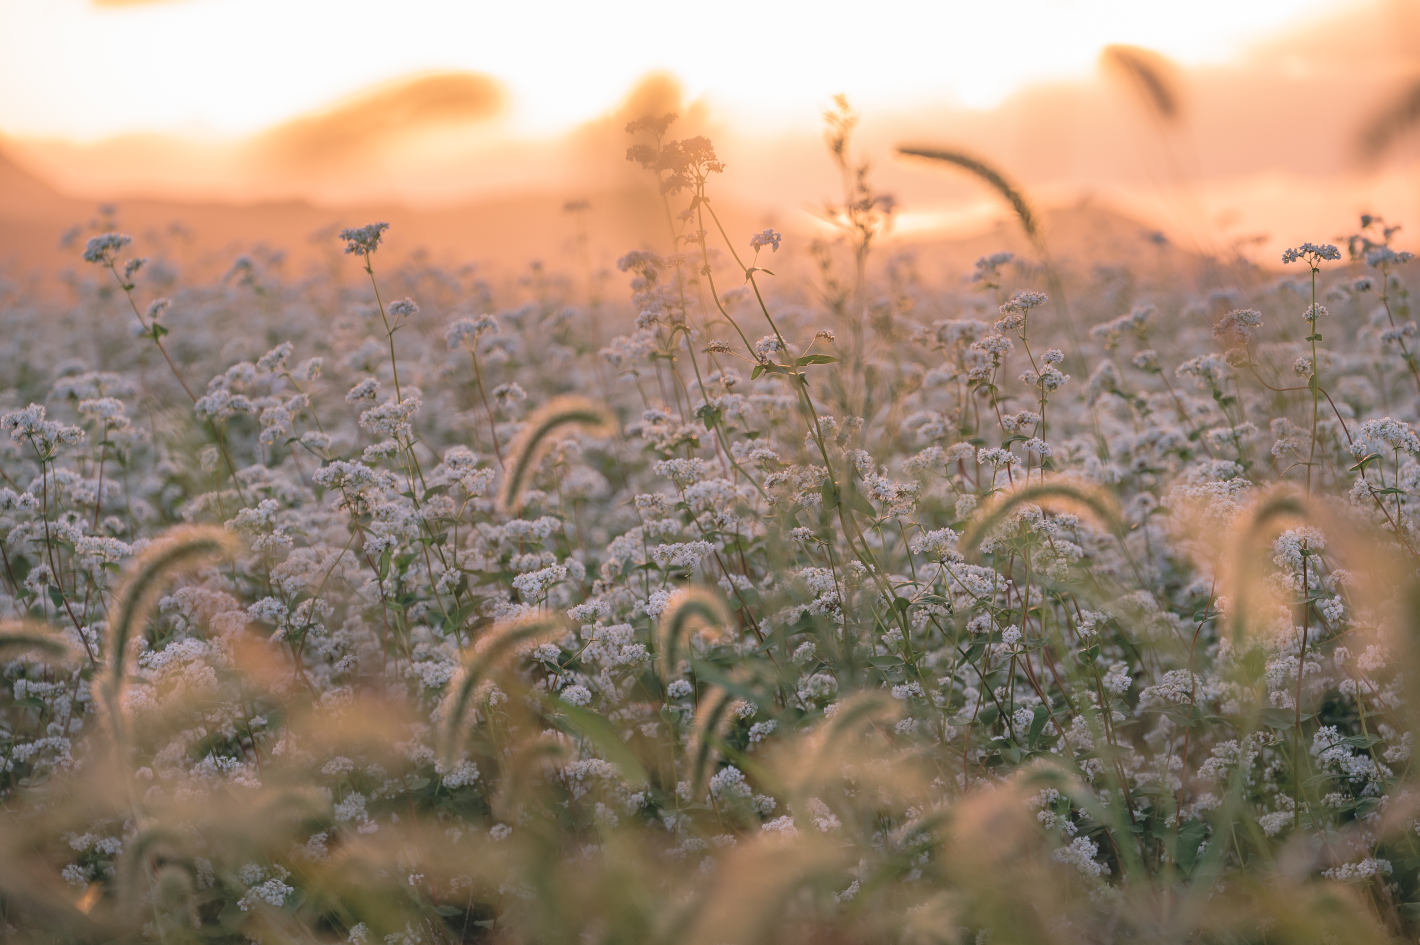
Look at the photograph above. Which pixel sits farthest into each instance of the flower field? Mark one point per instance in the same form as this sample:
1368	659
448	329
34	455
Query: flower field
700	604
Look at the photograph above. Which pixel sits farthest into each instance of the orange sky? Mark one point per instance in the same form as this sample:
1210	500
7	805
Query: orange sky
235	67
437	102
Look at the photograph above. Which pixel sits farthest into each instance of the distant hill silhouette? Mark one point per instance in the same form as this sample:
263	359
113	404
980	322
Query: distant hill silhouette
22	187
506	232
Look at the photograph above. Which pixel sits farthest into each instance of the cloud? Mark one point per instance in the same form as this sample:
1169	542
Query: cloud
379	118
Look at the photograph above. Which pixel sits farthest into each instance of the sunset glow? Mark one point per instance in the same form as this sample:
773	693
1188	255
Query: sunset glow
235	67
493	472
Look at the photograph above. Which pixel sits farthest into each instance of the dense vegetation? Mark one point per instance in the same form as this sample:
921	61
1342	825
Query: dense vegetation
420	608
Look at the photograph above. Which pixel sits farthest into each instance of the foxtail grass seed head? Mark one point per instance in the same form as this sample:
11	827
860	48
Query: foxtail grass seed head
32	640
176	551
1150	75
559	416
493	650
988	175
1059	494
689	611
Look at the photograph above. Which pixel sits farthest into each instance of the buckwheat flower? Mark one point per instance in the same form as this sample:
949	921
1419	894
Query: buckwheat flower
729	783
1380	256
848	893
905	691
104	249
819	687
533	584
993	344
1302	367
309	369
274	360
656	604
1148	361
465	332
996	456
1387	433
1275	822
683	472
1238	326
765	238
938	543
1315	312
766	346
509	394
1010	321
1117	680
1360	871
1020	422
1081	854
1023	302
107	410
404	308
368	389
363	240
45	435
681	554
1312	253
1394	337
157	307
1049	379
718	347
825	335
1210	369
392	419
273	892
988	268
781	826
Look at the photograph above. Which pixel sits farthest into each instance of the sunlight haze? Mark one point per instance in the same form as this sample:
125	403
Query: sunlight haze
235	67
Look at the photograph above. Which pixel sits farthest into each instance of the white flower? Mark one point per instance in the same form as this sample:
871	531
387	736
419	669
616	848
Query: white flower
765	238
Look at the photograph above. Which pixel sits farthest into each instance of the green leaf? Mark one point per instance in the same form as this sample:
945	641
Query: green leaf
1037	724
577	721
860	502
1190	837
1274	717
709	415
816	359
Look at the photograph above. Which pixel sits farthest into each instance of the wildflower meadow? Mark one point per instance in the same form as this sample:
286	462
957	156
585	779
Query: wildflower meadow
751	592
